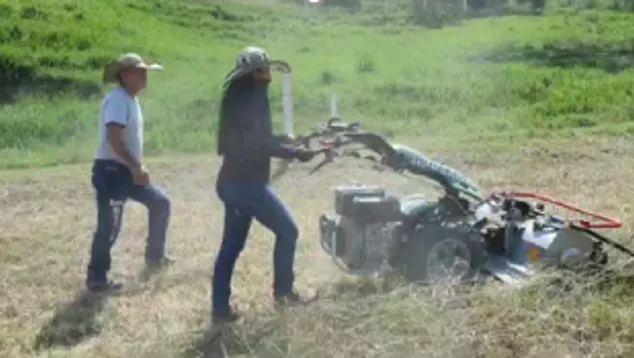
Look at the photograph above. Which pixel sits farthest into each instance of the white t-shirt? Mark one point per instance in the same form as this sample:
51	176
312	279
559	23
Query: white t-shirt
119	107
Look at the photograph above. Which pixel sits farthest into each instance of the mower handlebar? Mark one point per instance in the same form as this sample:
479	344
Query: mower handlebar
342	136
396	157
331	127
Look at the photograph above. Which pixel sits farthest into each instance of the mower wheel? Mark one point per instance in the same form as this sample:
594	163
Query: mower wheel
442	254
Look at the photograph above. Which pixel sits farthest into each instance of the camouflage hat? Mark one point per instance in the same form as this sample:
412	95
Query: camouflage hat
250	59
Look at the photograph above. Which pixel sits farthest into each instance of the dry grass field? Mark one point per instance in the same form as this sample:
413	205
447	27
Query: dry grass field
47	218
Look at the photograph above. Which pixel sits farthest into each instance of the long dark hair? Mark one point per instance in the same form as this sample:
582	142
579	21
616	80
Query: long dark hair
229	104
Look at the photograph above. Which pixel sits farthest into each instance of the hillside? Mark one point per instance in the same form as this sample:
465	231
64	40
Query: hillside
564	70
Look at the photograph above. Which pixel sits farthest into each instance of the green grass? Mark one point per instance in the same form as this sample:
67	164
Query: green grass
487	76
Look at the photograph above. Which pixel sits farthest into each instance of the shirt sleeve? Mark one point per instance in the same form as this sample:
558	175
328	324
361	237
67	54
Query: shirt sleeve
116	109
281	150
254	142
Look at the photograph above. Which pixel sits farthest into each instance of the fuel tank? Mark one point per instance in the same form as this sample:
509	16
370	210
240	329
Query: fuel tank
414	204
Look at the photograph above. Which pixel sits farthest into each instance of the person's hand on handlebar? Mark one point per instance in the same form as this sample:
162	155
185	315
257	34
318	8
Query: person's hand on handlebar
286	139
304	155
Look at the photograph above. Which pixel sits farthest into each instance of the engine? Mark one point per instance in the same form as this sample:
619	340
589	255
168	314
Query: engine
361	232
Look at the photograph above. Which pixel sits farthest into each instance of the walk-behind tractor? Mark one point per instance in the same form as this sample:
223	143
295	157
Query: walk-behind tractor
456	238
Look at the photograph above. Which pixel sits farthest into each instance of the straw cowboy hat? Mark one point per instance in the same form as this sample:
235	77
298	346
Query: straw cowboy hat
126	61
250	59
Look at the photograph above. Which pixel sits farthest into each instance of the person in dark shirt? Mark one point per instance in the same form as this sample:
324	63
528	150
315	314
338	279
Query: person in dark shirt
246	143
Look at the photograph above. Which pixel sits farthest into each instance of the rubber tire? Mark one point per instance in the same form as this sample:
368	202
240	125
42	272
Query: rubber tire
414	253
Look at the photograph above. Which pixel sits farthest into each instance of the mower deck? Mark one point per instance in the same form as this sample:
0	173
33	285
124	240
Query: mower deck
506	271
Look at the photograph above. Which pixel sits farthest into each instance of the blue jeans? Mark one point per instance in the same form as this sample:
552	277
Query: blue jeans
114	184
243	202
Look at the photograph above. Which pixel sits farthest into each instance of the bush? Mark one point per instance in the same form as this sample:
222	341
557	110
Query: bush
437	13
536	5
350	5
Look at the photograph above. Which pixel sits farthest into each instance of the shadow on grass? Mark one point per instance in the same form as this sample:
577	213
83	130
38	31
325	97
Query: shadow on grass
264	336
221	341
18	79
77	320
611	58
73	322
615	284
12	91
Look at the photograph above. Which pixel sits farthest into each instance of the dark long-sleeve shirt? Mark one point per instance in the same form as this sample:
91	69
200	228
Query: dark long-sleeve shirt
245	135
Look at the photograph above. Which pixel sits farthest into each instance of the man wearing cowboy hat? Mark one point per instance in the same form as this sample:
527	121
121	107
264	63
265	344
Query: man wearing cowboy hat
118	173
246	142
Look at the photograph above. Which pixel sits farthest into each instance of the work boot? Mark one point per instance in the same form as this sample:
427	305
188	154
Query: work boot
158	264
225	316
101	284
154	266
293	299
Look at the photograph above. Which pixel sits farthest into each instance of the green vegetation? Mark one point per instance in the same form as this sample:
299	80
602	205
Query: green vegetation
560	71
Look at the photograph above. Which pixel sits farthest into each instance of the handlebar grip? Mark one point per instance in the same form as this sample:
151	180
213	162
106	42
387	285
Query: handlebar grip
332	120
